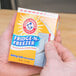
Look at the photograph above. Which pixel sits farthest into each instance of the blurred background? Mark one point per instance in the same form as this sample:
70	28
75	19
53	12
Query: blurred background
60	6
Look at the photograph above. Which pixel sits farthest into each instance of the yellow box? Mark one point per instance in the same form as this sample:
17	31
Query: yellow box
31	31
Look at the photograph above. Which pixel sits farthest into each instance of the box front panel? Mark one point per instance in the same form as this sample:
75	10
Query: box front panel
31	32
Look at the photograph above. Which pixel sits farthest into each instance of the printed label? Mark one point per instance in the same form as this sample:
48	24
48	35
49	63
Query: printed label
29	26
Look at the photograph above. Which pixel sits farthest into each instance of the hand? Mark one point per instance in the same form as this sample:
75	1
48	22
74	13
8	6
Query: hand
14	69
59	60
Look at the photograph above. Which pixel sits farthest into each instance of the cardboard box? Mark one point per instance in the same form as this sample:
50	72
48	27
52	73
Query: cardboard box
31	31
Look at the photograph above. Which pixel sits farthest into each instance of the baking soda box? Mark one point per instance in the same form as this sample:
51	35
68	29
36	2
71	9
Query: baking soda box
31	31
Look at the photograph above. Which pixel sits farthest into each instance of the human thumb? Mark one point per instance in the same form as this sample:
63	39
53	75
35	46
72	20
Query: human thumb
51	53
9	31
